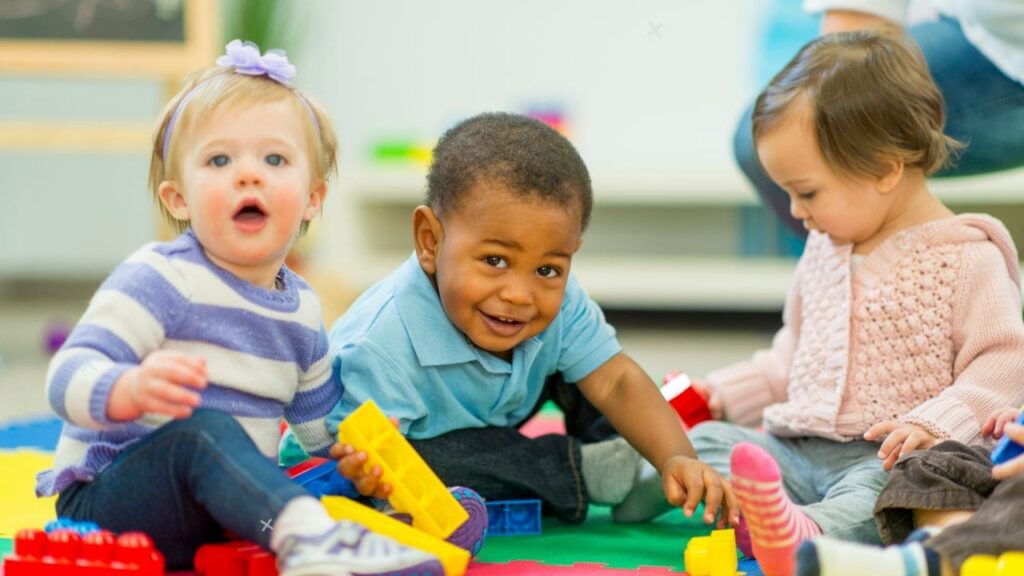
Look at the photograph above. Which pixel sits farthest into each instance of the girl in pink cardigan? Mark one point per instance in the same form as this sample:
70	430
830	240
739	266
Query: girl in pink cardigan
903	323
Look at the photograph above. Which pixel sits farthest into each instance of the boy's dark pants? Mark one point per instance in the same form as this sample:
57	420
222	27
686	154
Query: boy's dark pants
952	476
501	463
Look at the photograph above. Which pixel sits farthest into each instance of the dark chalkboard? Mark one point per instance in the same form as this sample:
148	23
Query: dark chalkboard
93	20
136	37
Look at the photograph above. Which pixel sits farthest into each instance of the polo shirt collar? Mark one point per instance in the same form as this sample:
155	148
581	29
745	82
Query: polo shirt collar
435	339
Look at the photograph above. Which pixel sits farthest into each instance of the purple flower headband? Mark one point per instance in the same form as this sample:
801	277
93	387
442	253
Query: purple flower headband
245	58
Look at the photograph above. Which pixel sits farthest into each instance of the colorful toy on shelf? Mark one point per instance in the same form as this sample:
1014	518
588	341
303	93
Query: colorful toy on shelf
686	401
552	115
54	337
397	150
1007	564
81	527
513	517
713	555
415	489
452	558
1007	449
65	553
320	476
238	558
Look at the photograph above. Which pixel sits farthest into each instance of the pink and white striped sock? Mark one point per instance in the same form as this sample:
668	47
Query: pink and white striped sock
777	526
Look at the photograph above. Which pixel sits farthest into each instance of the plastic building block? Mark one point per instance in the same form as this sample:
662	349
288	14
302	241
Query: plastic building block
320	476
452	558
713	555
415	489
691	407
1007	449
1007	564
238	558
82	528
513	517
65	553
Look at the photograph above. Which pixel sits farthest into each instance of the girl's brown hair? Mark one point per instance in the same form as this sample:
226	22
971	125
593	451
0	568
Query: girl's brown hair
874	101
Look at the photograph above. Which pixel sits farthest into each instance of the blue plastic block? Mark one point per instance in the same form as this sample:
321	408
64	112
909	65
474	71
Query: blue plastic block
81	527
1007	449
513	517
324	480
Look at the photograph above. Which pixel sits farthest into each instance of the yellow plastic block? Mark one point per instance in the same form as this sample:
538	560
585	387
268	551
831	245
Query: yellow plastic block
713	555
452	558
1007	564
415	489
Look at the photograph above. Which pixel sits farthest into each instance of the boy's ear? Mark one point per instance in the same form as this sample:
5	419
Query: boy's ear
427	234
173	200
316	200
893	175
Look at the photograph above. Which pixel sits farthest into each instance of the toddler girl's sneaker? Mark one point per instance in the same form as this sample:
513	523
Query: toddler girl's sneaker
349	549
470	536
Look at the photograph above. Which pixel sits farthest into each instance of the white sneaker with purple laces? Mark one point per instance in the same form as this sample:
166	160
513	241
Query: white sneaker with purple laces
349	549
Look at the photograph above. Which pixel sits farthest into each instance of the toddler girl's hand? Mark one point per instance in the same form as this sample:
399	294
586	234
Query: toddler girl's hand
900	439
714	399
687	481
350	465
164	383
996	423
1015	466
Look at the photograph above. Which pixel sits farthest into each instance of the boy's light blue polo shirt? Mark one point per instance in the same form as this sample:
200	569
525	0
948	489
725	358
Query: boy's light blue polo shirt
396	345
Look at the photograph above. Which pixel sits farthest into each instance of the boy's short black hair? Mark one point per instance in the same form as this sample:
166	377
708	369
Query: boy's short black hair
526	156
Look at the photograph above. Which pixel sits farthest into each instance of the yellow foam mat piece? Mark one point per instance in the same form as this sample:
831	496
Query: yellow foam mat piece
21	508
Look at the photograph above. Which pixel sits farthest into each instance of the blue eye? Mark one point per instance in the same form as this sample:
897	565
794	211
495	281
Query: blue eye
220	160
274	159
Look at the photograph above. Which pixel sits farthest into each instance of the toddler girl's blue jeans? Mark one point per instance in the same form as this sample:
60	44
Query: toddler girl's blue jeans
184	484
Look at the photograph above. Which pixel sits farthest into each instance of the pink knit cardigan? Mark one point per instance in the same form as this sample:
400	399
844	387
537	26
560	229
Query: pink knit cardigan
928	330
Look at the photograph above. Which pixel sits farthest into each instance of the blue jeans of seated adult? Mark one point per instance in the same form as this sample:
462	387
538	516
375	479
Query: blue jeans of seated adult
184	484
985	110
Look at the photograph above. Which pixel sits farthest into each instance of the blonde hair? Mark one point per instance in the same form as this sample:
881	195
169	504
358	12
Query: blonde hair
218	86
873	101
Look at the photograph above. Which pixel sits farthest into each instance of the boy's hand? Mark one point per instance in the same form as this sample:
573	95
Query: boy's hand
900	439
687	481
350	465
1016	465
160	385
996	424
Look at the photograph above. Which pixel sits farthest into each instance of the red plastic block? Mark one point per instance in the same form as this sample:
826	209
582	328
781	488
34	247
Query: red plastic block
691	407
65	553
234	559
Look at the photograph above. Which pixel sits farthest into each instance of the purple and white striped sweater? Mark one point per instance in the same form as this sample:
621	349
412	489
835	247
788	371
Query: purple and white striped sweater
266	355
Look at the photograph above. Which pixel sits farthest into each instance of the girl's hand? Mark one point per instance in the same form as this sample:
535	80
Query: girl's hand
714	399
687	481
166	382
351	464
1015	466
996	423
900	439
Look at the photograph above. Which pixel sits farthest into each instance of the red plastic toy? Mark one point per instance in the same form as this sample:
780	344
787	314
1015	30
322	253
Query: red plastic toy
686	401
238	558
65	553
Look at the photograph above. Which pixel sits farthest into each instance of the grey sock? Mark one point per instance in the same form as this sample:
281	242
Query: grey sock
609	470
646	501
